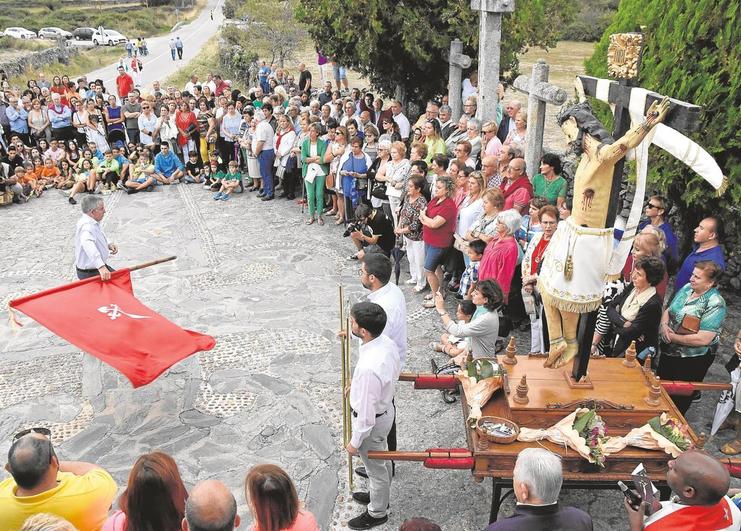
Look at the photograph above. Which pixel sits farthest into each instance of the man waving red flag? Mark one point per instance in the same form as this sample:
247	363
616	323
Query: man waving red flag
106	320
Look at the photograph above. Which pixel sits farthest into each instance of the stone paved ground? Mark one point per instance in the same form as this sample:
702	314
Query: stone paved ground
265	285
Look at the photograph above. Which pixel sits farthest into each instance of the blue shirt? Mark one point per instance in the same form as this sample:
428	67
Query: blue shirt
61	117
18	119
714	254
167	165
263	73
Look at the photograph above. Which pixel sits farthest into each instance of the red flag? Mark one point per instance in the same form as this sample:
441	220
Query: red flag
107	321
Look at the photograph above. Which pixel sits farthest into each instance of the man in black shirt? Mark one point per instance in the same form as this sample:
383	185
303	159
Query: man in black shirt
378	235
326	96
304	80
13	159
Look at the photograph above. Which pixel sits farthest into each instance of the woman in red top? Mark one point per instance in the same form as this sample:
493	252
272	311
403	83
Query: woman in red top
438	226
500	258
184	119
60	88
548	216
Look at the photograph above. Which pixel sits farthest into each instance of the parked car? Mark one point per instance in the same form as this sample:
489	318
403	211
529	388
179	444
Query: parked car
107	38
20	33
54	33
83	34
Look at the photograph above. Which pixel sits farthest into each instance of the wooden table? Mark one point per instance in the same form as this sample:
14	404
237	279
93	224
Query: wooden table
613	385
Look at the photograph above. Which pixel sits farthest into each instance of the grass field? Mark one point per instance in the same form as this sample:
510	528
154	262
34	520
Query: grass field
81	63
13	44
132	20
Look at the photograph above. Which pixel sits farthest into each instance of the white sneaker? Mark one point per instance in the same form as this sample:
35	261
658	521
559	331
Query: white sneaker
98	188
411	281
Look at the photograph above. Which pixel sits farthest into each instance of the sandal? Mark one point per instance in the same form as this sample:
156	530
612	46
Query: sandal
731	448
310	221
437	347
321	221
339	221
429	296
428	304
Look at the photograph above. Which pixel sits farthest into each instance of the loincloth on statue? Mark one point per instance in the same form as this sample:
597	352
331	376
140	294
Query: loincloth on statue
590	251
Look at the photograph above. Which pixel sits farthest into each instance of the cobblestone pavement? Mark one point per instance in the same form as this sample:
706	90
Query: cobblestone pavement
265	285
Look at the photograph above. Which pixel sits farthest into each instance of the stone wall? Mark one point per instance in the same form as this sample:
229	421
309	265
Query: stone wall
58	54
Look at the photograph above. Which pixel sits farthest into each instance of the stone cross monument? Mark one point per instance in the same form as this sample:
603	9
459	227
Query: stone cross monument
539	92
490	36
458	61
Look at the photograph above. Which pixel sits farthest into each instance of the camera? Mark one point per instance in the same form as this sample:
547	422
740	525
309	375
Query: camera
356	226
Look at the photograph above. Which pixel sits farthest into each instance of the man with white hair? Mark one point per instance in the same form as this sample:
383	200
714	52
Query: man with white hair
536	482
508	120
91	245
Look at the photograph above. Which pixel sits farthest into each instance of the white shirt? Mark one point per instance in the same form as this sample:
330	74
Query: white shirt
391	299
147	123
189	86
91	245
263	132
468	212
373	383
404	127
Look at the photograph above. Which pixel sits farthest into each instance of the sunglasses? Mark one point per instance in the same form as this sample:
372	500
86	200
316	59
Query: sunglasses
651	205
46	432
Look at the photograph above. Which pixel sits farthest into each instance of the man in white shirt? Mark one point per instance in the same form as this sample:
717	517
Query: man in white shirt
191	85
371	400
91	245
401	120
262	147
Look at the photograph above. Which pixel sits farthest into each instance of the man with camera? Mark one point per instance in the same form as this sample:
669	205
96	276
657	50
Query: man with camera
371	231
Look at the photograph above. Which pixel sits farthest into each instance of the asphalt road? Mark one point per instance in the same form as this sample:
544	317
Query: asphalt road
159	64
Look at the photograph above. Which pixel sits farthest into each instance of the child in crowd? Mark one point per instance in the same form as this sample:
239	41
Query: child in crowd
55	152
193	169
216	176
142	175
229	182
471	274
83	179
29	180
456	347
66	176
108	170
48	174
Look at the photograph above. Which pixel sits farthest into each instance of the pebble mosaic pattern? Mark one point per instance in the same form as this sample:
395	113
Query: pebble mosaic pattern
62	431
27	380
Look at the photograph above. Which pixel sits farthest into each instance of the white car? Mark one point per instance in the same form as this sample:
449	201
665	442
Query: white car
19	33
107	38
54	33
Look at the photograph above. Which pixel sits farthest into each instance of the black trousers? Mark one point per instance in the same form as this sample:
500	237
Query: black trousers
685	370
65	133
87	273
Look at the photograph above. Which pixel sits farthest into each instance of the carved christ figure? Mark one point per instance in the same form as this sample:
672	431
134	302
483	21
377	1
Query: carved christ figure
574	269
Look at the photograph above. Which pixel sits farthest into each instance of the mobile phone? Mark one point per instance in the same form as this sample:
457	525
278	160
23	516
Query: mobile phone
632	496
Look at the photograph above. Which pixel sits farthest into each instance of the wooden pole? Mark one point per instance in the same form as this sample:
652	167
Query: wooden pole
153	262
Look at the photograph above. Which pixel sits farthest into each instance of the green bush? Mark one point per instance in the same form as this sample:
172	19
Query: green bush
692	54
590	23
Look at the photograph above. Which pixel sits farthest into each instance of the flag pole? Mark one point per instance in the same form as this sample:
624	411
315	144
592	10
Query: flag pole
153	262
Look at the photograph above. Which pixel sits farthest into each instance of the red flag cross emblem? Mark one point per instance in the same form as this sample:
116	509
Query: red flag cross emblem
105	320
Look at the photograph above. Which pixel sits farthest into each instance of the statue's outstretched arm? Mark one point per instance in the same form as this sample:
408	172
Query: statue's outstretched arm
654	115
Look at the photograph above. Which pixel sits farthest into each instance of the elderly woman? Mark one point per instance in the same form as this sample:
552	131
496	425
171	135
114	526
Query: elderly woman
690	329
458	135
518	135
284	140
484	326
410	228
485	228
500	257
395	174
337	146
635	314
473	136
377	187
438	221
548	216
354	166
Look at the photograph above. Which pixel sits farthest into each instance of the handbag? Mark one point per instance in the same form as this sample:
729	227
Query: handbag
690	325
460	244
505	322
329	182
379	190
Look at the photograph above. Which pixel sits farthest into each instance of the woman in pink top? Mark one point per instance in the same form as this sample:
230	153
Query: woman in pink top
273	501
500	257
154	499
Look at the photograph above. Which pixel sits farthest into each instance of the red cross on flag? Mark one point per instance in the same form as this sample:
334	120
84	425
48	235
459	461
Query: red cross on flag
106	320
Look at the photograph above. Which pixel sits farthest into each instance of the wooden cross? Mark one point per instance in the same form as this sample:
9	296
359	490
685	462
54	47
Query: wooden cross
624	59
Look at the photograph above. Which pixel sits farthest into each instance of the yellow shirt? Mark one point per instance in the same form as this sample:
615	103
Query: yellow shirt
83	500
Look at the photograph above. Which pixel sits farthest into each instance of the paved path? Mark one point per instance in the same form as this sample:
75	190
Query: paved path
159	64
264	284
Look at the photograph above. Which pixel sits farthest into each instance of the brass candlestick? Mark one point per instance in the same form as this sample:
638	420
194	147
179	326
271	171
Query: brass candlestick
521	392
509	353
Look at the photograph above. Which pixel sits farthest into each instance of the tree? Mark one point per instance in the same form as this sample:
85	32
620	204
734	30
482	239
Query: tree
405	43
692	53
271	25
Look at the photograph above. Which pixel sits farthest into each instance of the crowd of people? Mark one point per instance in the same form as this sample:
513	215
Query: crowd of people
455	197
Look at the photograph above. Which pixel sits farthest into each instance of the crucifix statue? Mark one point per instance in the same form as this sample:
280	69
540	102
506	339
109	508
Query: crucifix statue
582	253
490	37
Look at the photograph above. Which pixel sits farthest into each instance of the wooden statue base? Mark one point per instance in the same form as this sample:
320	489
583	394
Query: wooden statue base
618	393
584	383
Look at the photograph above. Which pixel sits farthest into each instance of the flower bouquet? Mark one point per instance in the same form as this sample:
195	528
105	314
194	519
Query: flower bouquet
480	378
583	431
660	433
